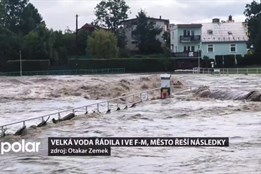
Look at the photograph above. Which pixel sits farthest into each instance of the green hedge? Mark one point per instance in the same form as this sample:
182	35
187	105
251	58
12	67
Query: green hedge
130	64
27	65
228	61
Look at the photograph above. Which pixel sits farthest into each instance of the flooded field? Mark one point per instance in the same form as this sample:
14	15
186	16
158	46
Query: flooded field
188	113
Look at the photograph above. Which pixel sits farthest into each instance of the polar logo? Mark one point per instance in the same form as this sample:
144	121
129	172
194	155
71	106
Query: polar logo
23	146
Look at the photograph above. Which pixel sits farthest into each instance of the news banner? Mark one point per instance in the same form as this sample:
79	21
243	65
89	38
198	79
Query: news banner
101	146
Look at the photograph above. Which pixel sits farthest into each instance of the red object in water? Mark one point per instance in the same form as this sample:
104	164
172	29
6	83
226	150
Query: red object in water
164	95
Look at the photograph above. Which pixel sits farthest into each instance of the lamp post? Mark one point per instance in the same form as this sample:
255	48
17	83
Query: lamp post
21	68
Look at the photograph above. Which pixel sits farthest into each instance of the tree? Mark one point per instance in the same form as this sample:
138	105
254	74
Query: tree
103	44
39	44
19	16
146	33
30	18
110	13
1	14
253	14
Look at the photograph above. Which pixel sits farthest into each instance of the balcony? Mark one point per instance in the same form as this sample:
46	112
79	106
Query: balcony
191	54
187	39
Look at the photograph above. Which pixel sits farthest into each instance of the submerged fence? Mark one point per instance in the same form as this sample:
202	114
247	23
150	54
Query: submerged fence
66	72
106	106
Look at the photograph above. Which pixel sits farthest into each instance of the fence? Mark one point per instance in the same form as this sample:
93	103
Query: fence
227	70
67	72
101	106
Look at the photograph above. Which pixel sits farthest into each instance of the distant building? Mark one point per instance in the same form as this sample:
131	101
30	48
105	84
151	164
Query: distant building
90	28
193	41
130	25
224	38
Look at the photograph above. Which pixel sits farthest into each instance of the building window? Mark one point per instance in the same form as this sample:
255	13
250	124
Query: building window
232	48
193	48
210	32
210	48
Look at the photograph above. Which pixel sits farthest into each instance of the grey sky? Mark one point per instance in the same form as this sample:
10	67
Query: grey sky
60	14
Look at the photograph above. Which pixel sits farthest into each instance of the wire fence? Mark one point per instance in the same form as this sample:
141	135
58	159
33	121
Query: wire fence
67	72
223	71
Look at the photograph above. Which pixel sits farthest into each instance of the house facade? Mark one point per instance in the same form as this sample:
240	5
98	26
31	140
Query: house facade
207	40
224	38
185	44
185	40
130	25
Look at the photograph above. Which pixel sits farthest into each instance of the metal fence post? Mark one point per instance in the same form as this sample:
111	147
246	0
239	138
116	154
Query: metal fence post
2	130
98	109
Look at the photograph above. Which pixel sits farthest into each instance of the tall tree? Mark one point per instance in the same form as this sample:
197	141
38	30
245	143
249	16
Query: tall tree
146	33
19	16
1	14
103	44
39	44
30	18
110	13
253	14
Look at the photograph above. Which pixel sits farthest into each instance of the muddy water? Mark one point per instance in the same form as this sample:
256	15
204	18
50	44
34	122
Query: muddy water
183	115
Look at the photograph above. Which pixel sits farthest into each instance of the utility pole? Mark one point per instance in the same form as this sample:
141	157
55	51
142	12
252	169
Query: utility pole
77	28
21	68
76	39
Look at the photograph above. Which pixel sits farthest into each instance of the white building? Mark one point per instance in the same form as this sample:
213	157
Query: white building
130	25
211	39
224	38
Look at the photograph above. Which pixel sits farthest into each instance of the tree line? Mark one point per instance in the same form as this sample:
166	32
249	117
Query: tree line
22	29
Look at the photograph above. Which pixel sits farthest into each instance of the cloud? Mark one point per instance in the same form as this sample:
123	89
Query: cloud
60	14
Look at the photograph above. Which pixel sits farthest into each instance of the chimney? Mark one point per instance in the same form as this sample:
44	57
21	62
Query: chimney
230	19
160	17
215	20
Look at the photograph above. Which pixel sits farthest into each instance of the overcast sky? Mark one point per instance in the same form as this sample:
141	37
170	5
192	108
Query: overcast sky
60	14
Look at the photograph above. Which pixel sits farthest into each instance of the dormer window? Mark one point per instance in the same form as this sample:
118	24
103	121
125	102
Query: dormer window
210	31
229	33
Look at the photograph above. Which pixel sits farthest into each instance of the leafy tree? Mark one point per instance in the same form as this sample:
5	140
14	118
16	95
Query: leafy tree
1	14
146	33
110	13
30	18
19	16
253	14
103	44
39	44
82	42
